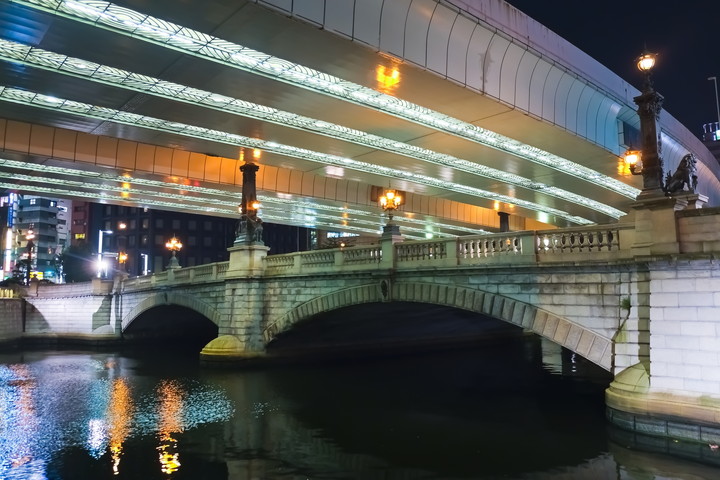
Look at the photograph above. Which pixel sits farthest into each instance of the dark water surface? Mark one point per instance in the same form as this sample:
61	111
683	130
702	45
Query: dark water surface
517	409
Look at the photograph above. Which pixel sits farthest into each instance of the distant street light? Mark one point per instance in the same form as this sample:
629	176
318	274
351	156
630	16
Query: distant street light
101	266
145	263
174	245
29	236
717	103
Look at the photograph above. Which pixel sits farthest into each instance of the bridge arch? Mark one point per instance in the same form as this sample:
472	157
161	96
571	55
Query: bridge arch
161	299
585	342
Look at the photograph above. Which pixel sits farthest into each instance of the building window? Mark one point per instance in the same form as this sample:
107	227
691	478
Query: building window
207	241
192	241
145	223
176	224
159	240
207	225
108	209
108	225
32	202
79	236
132	241
144	240
159	223
78	209
133	224
192	225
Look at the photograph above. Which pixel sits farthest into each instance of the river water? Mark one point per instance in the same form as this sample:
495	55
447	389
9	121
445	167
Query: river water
517	408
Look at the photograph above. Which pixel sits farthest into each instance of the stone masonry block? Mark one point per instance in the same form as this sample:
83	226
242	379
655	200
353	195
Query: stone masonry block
561	332
585	343
697	299
468	299
539	322
573	337
507	310
599	346
442	295
459	295
698	329
551	324
680	314
478	301
678	285
498	307
488	303
662	327
701	386
666	383
700	358
518	313
529	316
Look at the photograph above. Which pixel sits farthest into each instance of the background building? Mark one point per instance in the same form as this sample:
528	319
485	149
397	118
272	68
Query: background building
141	234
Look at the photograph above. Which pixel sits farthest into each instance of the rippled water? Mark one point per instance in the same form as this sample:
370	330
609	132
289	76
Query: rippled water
519	409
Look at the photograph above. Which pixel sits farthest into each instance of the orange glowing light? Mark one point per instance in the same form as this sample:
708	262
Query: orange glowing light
174	245
390	200
119	413
257	153
171	412
387	78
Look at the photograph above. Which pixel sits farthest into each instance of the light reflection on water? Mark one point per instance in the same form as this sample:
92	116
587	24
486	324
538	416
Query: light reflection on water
510	411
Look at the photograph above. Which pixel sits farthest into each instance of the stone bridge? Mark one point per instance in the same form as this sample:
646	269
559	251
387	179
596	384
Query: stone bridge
641	299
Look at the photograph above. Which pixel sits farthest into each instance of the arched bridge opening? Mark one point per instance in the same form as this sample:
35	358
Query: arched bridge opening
387	328
170	327
576	338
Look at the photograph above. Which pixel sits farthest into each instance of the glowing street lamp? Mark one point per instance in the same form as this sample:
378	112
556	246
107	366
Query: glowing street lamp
174	245
390	201
647	162
29	236
101	265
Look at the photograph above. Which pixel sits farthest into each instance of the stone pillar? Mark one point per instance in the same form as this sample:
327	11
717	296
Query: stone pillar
656	231
240	334
504	221
388	239
246	260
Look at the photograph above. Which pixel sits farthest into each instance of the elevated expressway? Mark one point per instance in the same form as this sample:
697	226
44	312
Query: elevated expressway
469	107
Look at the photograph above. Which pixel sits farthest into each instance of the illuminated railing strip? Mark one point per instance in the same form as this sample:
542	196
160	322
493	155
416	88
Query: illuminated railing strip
147	28
298	207
34	99
35	57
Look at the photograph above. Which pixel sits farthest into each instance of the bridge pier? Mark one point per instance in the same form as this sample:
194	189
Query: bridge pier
239	336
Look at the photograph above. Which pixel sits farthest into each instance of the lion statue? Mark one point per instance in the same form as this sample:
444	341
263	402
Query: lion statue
685	175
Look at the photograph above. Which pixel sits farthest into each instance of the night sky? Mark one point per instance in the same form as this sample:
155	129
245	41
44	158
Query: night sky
685	34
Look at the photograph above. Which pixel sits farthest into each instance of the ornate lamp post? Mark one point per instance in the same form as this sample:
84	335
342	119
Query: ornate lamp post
390	201
174	245
29	236
648	162
250	227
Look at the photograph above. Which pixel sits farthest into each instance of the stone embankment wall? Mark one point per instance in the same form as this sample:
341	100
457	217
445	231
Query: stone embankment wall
10	319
